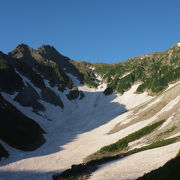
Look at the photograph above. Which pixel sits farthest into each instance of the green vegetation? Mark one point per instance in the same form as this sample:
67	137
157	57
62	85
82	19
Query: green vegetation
123	143
121	146
153	145
110	70
41	63
3	62
125	83
108	91
88	75
178	154
17	130
51	71
153	71
111	157
85	170
88	80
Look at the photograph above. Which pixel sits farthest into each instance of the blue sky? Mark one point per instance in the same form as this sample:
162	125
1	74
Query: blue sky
91	30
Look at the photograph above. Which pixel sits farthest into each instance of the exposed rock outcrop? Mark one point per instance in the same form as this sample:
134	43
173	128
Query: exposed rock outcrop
29	97
51	97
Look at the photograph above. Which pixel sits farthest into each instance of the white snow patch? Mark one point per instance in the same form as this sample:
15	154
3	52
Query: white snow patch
74	79
124	75
151	104
136	144
166	108
130	99
98	77
168	121
129	120
172	85
136	165
175	135
92	68
170	105
25	80
178	44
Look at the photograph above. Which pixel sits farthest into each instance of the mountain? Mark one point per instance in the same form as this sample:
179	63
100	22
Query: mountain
56	112
155	71
10	81
35	63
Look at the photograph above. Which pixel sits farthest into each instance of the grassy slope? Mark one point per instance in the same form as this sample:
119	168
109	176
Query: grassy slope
153	71
122	144
83	171
91	164
88	75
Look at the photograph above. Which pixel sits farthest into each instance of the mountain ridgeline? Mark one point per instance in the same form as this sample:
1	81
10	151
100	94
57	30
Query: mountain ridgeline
152	71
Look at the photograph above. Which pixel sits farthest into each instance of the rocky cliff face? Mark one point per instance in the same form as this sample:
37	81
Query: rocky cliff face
17	130
32	78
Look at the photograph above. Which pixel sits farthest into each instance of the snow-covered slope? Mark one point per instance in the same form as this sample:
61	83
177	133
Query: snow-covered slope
136	165
83	127
72	133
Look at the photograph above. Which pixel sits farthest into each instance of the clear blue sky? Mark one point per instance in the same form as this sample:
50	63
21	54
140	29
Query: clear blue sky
92	30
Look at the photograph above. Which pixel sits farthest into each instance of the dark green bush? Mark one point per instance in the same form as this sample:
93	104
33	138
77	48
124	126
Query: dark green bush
153	145
89	81
125	83
123	143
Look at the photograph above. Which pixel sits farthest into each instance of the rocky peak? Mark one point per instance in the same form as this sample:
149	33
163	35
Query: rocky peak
20	51
46	48
22	46
25	53
49	52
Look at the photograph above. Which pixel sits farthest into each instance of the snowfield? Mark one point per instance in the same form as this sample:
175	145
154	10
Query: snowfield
136	165
79	130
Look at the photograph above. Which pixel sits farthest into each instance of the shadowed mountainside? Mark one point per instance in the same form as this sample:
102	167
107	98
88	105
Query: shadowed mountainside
16	129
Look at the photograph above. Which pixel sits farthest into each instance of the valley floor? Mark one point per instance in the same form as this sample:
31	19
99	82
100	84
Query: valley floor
79	130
